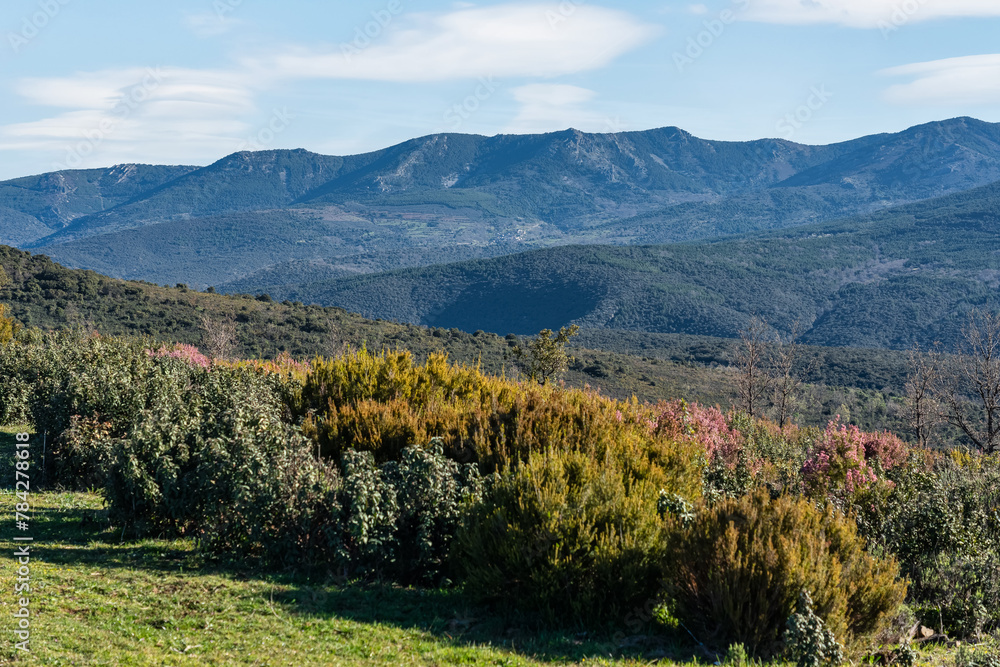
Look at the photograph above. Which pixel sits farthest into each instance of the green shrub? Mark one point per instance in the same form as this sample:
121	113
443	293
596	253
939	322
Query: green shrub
940	519
979	656
565	537
807	639
370	514
195	449
399	520
288	514
737	569
432	493
381	403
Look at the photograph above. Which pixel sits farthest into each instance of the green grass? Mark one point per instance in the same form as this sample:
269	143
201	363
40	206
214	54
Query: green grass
103	601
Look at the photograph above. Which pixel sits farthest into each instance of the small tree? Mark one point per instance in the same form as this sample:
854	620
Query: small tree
752	376
970	384
784	379
218	337
545	356
922	408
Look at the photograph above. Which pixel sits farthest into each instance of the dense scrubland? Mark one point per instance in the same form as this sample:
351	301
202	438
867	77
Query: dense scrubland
551	508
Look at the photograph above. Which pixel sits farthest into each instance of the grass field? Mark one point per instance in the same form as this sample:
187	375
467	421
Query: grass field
97	600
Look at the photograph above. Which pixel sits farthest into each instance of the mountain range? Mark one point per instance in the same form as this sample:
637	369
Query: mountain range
619	231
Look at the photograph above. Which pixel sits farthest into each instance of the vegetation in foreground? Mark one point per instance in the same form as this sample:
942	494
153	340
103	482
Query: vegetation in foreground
550	508
104	601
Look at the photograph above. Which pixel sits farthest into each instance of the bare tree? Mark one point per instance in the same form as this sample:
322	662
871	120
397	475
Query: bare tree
970	387
785	380
218	336
752	376
922	409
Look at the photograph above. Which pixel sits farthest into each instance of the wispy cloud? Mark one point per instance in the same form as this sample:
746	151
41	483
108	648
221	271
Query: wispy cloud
865	13
967	80
546	107
538	40
119	115
98	118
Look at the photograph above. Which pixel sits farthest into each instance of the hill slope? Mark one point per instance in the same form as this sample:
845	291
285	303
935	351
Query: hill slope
886	280
621	364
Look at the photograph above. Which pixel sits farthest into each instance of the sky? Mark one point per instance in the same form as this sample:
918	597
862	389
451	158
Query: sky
93	83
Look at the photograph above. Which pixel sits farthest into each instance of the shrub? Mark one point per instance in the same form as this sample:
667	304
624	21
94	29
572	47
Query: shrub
846	461
288	514
399	520
432	493
940	520
707	426
566	537
736	571
382	403
8	327
807	639
196	448
395	521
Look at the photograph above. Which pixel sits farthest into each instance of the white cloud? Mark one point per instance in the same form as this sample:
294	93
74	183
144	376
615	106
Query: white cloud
967	80
548	107
865	13
541	40
175	114
123	115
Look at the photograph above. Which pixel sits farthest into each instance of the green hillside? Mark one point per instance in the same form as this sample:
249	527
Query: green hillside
621	364
887	280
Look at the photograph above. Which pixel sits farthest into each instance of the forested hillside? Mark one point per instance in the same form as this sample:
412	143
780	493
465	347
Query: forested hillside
903	276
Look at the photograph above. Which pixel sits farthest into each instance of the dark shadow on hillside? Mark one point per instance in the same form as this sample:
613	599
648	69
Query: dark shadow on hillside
519	309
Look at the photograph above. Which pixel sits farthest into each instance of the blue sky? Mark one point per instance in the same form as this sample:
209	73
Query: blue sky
89	83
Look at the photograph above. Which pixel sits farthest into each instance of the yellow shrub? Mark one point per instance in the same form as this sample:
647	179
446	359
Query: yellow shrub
737	570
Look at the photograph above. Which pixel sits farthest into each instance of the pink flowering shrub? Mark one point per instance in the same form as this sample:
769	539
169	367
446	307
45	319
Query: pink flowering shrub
842	458
886	448
186	353
707	426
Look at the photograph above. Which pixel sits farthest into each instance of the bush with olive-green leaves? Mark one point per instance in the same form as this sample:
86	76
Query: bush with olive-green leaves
736	570
940	516
567	538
